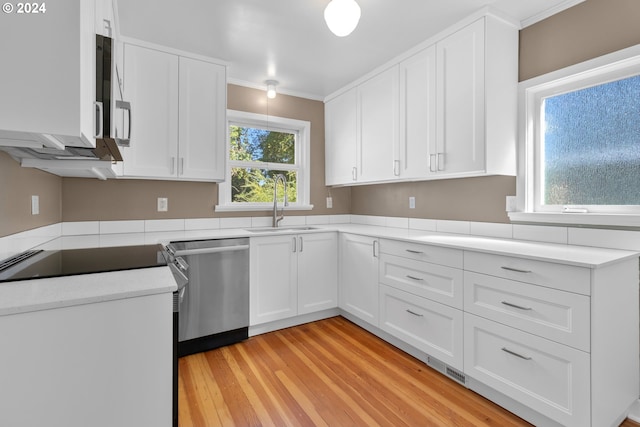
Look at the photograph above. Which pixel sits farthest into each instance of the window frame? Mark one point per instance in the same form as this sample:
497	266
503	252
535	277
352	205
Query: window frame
302	161
607	68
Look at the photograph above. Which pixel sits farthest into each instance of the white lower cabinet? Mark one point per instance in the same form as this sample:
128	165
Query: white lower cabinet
292	275
551	378
429	326
359	276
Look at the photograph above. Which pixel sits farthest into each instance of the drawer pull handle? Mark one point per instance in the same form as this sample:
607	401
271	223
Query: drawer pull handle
414	278
414	313
516	306
517	270
414	252
505	349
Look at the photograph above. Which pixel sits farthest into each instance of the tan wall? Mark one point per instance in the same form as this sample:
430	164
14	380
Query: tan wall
585	31
17	185
91	200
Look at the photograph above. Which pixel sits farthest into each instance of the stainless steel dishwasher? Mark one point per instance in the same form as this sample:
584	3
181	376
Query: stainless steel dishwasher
215	308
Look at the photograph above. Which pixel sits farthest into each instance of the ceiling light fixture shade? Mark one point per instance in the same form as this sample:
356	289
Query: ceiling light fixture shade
342	16
271	88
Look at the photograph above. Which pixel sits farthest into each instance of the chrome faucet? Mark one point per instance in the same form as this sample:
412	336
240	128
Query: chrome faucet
276	220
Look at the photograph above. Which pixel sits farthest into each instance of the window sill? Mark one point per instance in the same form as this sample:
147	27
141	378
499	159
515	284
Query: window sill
589	219
261	208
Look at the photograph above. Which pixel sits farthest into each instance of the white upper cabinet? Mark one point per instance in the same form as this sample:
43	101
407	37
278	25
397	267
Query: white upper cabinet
417	114
48	76
201	117
105	18
447	111
178	116
378	127
341	138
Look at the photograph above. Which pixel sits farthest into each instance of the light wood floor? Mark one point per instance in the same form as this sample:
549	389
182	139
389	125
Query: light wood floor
326	373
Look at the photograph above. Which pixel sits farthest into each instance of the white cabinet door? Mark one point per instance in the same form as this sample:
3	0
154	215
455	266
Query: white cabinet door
358	285
48	76
460	110
378	135
418	114
340	139
105	18
202	116
273	279
317	272
150	84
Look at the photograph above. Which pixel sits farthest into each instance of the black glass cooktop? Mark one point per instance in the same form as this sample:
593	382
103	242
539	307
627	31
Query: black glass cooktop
68	262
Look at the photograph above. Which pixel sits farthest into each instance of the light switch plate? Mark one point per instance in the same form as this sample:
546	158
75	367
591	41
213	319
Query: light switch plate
329	202
412	202
35	205
163	204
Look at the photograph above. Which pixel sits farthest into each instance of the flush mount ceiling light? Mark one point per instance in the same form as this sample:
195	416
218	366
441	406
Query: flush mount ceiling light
342	16
271	88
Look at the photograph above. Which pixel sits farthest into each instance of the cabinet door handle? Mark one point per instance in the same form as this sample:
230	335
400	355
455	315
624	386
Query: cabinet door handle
173	165
396	167
414	252
440	162
414	313
519	307
354	173
181	166
506	350
99	120
414	278
375	251
517	270
432	162
301	245
295	248
124	105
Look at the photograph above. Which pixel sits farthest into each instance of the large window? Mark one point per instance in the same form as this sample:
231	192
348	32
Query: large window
580	148
260	148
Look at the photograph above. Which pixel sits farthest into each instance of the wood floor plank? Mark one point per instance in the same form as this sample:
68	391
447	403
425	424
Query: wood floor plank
326	373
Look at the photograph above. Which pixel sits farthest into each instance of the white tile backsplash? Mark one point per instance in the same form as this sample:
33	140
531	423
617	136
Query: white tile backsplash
201	224
602	238
242	222
340	219
318	219
423	224
540	233
261	221
80	228
459	227
397	222
491	229
154	225
116	227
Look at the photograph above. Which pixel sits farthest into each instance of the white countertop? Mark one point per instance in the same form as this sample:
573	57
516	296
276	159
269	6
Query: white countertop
42	294
582	256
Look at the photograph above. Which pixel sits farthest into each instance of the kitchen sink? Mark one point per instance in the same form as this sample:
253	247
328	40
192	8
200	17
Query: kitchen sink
279	229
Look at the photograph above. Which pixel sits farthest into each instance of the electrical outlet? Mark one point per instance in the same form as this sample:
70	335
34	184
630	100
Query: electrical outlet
329	202
163	204
511	204
412	202
35	205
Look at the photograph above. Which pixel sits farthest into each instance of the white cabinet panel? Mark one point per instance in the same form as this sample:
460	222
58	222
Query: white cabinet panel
341	139
550	378
273	273
460	111
358	293
436	282
201	119
560	316
150	78
429	326
378	127
419	252
417	114
317	272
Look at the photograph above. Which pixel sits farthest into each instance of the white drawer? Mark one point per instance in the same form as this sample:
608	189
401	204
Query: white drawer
437	282
429	326
420	252
548	377
558	276
560	316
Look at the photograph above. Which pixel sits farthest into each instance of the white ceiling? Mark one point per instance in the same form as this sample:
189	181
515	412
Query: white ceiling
287	40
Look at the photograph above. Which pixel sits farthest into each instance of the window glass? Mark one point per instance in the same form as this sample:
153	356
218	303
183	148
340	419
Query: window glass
590	145
256	185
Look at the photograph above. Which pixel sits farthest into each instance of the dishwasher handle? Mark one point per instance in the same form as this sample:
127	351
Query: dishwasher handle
202	251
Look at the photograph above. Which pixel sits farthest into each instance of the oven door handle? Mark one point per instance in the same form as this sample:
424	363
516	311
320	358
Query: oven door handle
202	251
